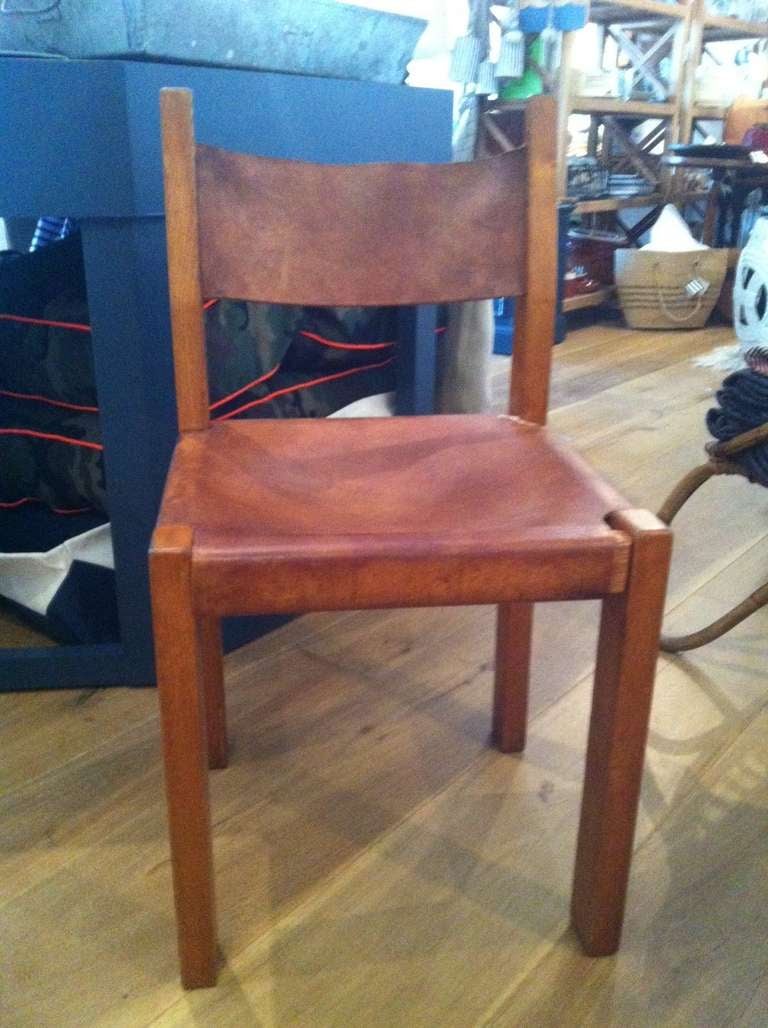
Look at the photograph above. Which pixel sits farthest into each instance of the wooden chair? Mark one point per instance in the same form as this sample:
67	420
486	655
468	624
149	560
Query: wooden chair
301	515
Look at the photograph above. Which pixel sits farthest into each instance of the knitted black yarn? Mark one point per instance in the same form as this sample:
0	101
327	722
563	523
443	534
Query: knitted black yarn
743	404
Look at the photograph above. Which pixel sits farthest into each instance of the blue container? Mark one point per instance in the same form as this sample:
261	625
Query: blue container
534	16
570	16
504	308
504	325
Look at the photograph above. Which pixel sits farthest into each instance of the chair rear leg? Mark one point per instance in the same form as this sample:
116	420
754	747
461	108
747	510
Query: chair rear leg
514	626
626	664
212	663
182	710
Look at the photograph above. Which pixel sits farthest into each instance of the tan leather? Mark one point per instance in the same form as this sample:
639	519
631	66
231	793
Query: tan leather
394	491
370	235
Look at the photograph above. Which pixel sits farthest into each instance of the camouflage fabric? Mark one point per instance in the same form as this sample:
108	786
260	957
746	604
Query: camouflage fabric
41	359
305	362
247	341
244	341
62	474
317	401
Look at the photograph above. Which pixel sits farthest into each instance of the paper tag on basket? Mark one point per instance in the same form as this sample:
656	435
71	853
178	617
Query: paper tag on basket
697	286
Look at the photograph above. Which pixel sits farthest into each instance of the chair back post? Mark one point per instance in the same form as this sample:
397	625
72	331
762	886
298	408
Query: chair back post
535	309
181	222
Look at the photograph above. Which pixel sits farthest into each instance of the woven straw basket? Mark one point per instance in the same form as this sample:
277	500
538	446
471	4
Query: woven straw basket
652	286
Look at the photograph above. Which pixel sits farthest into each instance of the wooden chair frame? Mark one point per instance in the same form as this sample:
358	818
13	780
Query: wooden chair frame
625	562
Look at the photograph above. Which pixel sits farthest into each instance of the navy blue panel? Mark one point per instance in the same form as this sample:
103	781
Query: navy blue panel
64	146
34	529
128	300
83	609
240	630
68	667
81	138
314	119
417	361
88	131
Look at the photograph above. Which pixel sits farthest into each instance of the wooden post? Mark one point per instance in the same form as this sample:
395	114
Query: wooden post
621	704
514	628
182	712
183	259
535	310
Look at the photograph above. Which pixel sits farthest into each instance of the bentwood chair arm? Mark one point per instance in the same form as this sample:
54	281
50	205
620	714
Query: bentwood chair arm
743	441
720	463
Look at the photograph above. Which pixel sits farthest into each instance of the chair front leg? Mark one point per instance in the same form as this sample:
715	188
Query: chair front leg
514	626
621	703
212	664
178	649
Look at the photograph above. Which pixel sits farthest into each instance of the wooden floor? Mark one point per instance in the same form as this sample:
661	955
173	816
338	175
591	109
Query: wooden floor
378	864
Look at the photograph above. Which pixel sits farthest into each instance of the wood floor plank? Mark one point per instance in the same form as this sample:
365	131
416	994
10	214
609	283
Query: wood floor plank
66	724
470	892
641	437
42	731
401	652
14	632
695	946
377	863
606	355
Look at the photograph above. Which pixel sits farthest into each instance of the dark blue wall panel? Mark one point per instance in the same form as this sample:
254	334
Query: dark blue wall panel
82	138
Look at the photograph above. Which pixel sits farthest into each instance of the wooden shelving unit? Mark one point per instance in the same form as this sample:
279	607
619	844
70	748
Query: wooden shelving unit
586	300
622	108
686	29
608	204
614	12
645	32
717	28
676	30
708	112
709	28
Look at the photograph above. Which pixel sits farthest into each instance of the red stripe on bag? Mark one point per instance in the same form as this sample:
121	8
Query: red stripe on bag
245	388
45	321
303	385
334	345
52	436
35	499
352	346
74	325
47	399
